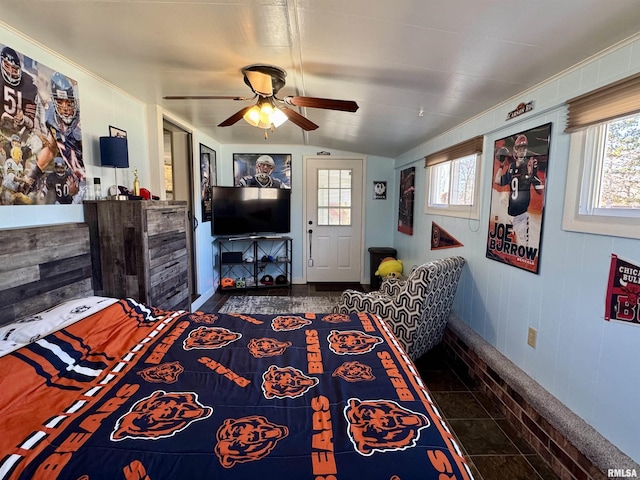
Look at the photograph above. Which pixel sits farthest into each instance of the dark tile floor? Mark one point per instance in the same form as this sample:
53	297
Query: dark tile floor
493	447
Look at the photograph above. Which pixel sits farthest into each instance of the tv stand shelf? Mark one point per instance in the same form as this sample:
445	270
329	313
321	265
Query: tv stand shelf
250	260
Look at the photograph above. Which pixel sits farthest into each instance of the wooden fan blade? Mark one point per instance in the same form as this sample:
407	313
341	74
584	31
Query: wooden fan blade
299	120
235	117
203	97
259	82
326	103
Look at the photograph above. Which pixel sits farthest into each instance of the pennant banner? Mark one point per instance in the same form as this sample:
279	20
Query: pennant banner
623	291
440	238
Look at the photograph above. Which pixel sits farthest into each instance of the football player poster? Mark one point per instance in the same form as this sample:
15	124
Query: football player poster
405	206
272	170
623	291
519	178
208	179
40	135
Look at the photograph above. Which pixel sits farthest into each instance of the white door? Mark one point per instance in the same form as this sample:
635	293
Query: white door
333	219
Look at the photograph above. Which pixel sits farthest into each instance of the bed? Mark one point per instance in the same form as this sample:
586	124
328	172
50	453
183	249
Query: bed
100	388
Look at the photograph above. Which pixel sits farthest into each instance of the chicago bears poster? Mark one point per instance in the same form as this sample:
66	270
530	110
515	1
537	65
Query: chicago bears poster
40	135
520	166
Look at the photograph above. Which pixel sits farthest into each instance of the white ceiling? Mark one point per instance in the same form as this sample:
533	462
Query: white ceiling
451	59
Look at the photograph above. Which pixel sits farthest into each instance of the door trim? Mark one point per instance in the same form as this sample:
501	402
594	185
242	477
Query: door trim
305	237
185	162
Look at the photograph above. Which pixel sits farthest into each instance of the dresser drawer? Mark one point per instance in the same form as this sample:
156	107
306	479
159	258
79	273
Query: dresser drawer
164	271
165	220
169	287
176	299
166	248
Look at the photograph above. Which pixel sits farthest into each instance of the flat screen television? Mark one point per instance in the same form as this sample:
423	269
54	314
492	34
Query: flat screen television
238	211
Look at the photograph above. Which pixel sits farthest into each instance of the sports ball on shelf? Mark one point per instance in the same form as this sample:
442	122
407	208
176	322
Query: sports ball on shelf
227	282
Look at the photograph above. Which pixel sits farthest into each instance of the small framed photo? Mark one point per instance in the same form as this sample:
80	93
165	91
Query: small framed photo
117	132
379	190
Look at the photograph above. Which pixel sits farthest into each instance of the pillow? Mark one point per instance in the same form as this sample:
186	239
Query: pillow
31	328
8	347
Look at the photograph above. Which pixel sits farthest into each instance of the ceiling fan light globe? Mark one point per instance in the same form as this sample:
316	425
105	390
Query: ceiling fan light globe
266	111
278	117
252	117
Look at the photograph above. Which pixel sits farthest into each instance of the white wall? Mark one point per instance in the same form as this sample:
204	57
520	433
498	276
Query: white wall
589	364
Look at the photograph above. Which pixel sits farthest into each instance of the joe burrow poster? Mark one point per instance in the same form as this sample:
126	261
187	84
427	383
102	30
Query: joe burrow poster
623	291
517	198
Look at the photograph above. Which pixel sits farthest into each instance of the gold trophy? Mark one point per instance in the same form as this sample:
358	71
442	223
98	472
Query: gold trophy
136	183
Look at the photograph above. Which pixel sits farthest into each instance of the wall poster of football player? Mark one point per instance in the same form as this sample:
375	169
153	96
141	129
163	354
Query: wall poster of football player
208	178
40	136
405	207
520	166
271	170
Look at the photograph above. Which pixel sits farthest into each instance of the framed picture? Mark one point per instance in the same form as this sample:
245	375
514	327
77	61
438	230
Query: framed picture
61	181
117	132
379	190
262	170
405	207
208	178
519	179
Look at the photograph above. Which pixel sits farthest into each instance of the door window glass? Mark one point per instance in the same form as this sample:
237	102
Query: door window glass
334	197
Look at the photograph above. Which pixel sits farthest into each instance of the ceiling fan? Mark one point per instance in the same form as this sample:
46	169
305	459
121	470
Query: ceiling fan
265	81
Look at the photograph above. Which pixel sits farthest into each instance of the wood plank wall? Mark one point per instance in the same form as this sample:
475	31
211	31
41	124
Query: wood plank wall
41	267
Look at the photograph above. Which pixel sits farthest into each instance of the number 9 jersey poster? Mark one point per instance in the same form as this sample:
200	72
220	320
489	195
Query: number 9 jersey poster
520	165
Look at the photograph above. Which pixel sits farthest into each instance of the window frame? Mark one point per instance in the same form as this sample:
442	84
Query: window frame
461	211
582	173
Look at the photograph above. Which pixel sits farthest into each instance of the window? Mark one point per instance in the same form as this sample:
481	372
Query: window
603	177
452	180
334	197
452	186
603	180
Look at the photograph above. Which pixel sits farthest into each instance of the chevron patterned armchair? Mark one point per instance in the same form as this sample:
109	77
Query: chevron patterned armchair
417	309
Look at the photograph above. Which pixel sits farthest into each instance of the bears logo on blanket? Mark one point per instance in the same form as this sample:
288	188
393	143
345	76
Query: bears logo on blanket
160	415
247	439
210	337
351	342
382	425
166	372
336	318
354	372
203	318
286	323
267	347
286	382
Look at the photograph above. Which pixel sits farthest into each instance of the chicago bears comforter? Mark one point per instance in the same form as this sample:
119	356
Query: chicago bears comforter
135	393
